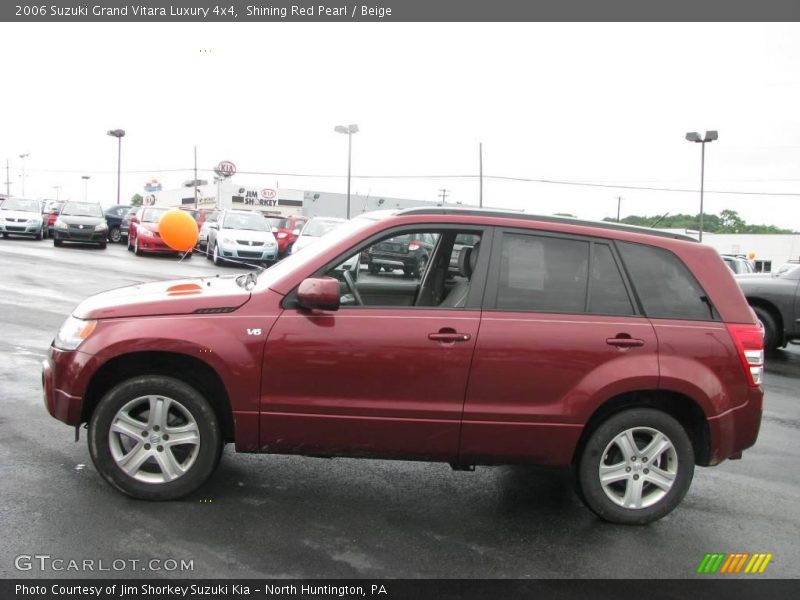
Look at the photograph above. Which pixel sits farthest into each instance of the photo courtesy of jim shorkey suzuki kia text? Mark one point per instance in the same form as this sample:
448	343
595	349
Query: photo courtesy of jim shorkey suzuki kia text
127	590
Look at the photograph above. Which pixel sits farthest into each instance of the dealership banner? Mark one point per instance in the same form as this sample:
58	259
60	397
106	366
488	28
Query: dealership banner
395	589
343	11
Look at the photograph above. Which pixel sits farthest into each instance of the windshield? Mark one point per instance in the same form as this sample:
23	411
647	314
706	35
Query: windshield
247	222
23	205
153	215
319	227
82	209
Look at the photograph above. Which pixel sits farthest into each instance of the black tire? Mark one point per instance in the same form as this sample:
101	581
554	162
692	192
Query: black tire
207	454
56	242
218	260
419	268
5	236
600	441
771	337
102	245
185	255
39	236
114	235
136	250
374	269
128	242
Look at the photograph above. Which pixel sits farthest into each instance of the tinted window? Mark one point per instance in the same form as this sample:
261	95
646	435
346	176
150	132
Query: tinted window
608	295
543	274
665	286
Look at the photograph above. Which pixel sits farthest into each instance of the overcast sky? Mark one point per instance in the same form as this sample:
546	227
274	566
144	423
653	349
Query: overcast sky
594	103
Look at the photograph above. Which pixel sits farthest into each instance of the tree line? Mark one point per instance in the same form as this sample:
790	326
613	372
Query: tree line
727	221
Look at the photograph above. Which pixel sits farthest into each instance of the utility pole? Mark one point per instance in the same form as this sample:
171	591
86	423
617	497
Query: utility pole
443	193
480	168
619	203
23	157
8	179
57	188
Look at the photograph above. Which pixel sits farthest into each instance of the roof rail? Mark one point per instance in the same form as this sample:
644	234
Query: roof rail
509	214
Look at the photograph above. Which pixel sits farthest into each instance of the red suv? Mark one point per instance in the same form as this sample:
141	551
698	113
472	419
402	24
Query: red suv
628	354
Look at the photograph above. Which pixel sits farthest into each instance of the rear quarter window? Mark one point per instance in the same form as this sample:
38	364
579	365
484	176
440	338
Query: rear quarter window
665	286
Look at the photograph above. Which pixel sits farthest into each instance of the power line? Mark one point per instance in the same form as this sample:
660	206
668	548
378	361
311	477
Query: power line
449	177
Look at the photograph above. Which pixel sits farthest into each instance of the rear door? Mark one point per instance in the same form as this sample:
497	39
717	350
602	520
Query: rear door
560	332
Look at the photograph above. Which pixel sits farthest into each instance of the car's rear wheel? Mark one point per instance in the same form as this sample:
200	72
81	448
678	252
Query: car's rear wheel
419	268
636	467
771	341
154	437
114	235
136	250
56	242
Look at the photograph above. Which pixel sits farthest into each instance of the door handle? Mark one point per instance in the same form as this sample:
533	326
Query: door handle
624	342
449	336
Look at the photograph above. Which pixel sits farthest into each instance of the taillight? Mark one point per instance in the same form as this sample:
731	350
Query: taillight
413	246
749	340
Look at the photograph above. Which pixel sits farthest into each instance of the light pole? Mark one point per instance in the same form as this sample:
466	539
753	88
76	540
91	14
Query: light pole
57	188
85	187
349	130
119	134
710	136
23	157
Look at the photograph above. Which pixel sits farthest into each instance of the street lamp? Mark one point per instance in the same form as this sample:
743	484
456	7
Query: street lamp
693	136
57	188
119	134
85	187
23	157
349	131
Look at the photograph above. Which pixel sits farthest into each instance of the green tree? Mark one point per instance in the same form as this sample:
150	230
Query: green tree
136	200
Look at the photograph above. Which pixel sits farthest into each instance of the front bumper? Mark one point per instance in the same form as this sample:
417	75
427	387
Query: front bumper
249	253
88	236
65	376
21	228
155	244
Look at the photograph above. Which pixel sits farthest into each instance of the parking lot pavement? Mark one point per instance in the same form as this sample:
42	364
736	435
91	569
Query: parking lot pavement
278	516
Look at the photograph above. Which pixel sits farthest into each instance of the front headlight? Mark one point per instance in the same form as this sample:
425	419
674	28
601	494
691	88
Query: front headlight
60	224
73	332
34	221
100	227
270	244
225	240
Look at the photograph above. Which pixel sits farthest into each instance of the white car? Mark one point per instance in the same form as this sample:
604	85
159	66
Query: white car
241	236
202	236
315	229
21	217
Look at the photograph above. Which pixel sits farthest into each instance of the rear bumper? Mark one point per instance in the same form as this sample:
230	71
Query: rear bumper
735	430
65	376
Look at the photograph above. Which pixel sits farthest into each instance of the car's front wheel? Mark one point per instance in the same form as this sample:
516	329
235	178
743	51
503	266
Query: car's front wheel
636	467
218	260
154	437
114	235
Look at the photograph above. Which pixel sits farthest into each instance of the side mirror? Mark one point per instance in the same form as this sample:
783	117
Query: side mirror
296	232
214	226
319	292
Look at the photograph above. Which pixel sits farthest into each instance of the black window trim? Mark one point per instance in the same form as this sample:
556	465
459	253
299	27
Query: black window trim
479	276
493	280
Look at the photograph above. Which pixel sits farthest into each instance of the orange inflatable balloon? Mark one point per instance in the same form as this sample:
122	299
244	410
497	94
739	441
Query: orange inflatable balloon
178	230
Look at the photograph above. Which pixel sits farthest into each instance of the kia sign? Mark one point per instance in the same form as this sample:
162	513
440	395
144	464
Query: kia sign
149	200
225	169
267	194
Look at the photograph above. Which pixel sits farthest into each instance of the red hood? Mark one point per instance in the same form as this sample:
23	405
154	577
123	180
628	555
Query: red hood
178	297
151	226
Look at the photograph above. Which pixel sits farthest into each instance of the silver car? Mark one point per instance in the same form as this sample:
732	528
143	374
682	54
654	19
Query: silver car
241	236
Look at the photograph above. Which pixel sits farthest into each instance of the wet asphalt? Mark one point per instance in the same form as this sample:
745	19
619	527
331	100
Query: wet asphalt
280	516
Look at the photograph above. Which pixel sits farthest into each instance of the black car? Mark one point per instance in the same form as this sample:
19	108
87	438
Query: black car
114	216
408	252
125	223
80	222
775	298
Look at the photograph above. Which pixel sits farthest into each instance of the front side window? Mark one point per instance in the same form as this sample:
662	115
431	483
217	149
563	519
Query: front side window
666	288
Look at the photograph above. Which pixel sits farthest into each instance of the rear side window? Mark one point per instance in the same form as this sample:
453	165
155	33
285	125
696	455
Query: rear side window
608	295
543	274
665	286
